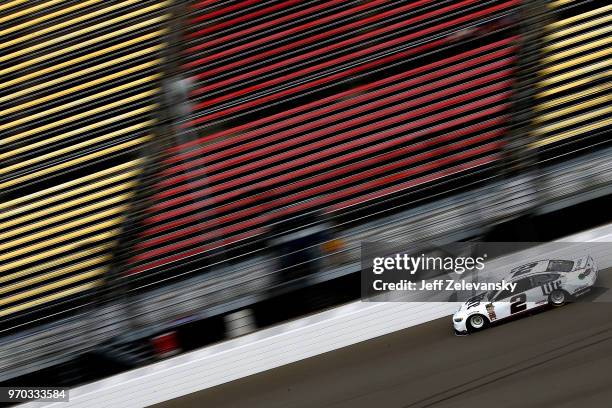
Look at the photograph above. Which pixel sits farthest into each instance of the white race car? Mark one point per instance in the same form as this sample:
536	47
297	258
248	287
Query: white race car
539	283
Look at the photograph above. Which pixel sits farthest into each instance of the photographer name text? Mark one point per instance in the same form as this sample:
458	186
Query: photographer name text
442	284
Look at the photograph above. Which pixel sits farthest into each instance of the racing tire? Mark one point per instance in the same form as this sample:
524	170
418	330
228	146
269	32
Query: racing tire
558	298
476	322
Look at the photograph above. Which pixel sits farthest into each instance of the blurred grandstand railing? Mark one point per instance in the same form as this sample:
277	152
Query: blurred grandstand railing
452	219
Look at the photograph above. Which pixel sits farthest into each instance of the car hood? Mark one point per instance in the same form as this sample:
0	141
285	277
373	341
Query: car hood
473	301
580	263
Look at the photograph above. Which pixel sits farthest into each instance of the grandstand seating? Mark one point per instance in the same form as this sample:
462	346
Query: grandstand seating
78	96
575	88
331	105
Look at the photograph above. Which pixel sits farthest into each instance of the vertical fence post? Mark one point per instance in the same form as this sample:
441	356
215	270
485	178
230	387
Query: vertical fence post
534	16
116	284
520	160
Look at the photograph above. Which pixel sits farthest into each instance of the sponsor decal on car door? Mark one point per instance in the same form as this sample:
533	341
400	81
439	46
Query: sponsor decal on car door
547	283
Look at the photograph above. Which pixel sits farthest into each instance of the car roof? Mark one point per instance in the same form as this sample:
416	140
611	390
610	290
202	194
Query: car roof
530	267
529	275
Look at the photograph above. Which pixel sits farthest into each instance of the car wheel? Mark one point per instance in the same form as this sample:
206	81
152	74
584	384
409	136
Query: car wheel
477	322
557	298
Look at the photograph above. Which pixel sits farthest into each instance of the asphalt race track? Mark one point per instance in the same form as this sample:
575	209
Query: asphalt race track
555	358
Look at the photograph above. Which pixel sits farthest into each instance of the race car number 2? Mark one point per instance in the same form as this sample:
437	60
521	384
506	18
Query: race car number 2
518	303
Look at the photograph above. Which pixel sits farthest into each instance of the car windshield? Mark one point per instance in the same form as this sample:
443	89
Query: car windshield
560	266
